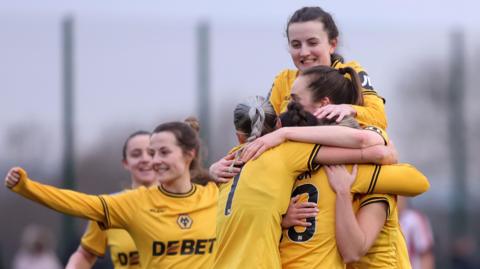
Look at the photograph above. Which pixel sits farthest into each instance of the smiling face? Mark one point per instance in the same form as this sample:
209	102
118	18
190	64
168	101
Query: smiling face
170	162
309	44
138	160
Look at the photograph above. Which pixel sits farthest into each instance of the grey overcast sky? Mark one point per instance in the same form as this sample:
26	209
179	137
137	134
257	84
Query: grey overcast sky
135	60
410	11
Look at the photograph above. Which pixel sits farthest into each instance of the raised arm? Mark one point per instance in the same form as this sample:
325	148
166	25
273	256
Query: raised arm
69	202
401	179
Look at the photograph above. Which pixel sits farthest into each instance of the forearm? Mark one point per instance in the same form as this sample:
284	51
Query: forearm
334	155
350	238
81	260
64	201
400	179
372	112
338	136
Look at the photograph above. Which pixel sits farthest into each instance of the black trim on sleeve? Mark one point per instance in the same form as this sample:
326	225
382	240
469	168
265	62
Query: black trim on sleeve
373	181
312	166
378	131
377	200
106	223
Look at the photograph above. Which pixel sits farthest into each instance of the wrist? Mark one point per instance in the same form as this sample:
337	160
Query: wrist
344	194
283	133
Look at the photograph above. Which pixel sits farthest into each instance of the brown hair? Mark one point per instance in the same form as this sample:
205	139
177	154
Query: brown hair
125	145
325	81
187	137
297	116
306	14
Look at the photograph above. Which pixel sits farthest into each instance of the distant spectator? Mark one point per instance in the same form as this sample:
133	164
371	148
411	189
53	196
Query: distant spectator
463	253
418	235
36	250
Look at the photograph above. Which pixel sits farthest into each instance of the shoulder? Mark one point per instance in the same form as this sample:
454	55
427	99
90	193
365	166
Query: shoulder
287	74
353	64
285	78
209	189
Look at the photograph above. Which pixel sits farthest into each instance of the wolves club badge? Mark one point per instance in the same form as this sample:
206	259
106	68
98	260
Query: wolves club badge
184	221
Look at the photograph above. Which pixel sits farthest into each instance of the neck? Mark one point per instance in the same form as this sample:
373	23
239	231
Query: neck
179	185
136	184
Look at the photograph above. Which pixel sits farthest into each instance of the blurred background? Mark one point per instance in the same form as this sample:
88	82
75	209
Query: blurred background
77	77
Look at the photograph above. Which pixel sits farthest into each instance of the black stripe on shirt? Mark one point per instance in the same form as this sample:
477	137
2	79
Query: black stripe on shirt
377	200
105	212
312	166
375	177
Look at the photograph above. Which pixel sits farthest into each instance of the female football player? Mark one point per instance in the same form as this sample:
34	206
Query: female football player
172	224
136	159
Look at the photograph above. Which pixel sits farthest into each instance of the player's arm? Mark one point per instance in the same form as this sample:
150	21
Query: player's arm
401	179
354	234
81	259
65	201
93	245
378	154
336	136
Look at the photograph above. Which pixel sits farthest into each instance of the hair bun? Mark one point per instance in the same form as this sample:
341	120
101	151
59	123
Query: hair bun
193	123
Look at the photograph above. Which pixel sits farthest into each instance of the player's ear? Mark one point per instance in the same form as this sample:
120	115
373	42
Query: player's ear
333	45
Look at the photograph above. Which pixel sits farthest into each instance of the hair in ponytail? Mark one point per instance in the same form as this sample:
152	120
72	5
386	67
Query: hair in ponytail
329	82
254	117
357	98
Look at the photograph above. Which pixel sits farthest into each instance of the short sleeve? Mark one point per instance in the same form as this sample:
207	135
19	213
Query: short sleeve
367	199
94	240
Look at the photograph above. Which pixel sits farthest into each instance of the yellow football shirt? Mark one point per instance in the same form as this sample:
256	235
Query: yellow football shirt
170	230
371	113
389	249
123	252
251	206
315	246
